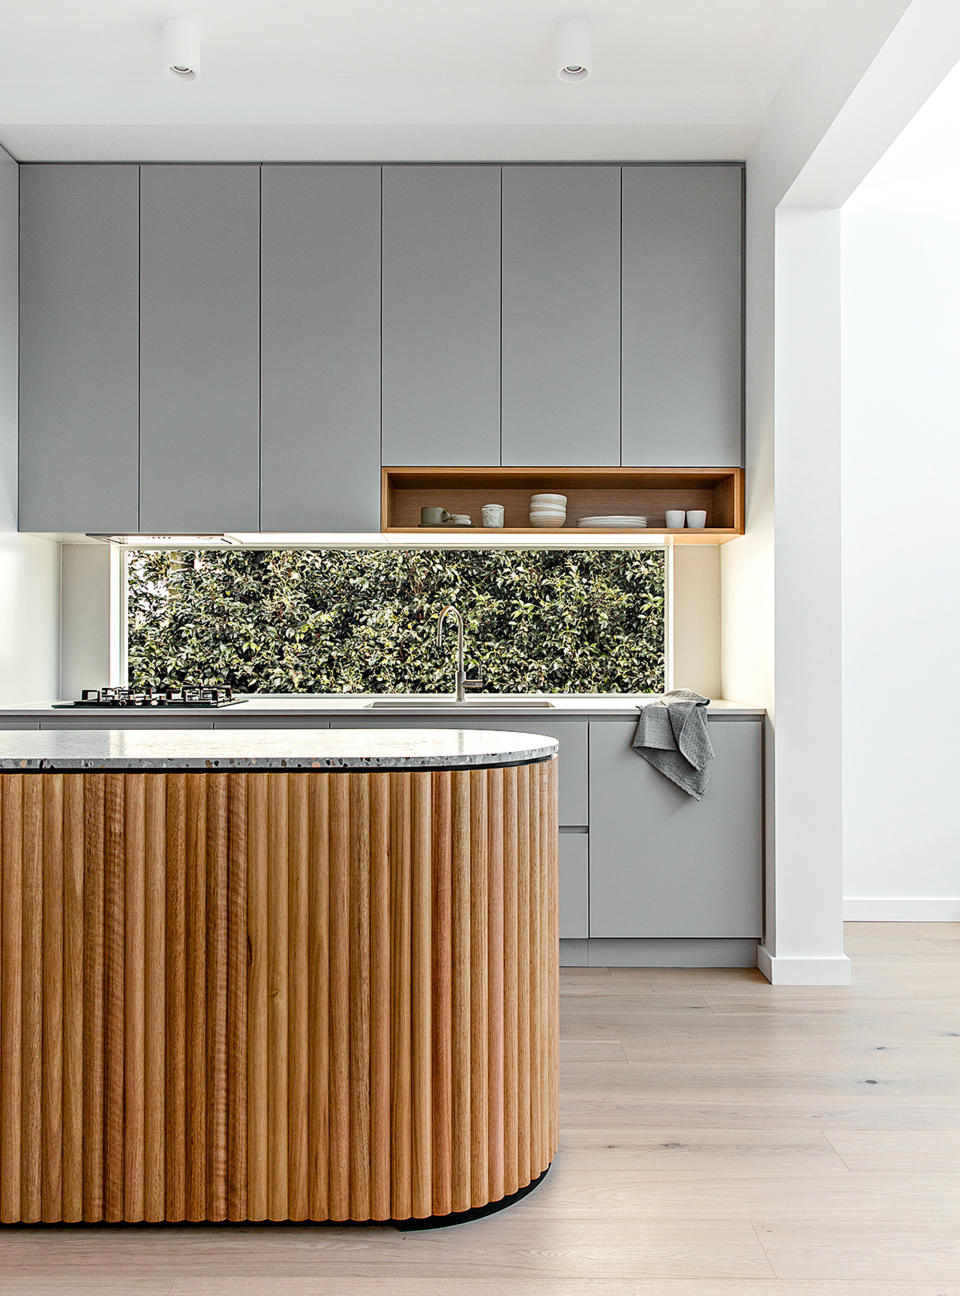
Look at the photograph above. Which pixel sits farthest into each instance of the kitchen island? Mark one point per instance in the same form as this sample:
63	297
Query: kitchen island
275	975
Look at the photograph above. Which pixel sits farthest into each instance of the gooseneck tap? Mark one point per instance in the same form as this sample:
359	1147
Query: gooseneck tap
462	681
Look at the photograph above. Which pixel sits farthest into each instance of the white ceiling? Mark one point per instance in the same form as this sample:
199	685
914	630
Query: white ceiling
292	79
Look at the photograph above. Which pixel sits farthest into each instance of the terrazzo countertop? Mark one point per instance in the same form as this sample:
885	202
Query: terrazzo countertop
269	749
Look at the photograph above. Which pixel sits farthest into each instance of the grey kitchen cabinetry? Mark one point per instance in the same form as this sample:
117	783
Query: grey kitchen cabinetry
561	315
682	315
574	886
441	315
320	349
662	864
79	304
199	348
571	735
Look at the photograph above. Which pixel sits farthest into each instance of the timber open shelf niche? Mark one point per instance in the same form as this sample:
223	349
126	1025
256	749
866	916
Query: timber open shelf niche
647	492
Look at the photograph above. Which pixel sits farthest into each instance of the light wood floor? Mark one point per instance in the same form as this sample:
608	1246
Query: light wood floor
720	1137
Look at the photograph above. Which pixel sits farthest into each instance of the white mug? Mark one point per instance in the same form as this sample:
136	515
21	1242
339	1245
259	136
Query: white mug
696	517
675	519
492	515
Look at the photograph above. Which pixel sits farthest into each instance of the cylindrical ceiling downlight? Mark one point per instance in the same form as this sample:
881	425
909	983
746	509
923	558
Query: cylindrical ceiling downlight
181	49
574	49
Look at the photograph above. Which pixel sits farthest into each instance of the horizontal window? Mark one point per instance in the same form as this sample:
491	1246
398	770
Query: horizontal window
364	620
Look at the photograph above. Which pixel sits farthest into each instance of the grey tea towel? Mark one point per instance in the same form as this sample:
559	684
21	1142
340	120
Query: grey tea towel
672	737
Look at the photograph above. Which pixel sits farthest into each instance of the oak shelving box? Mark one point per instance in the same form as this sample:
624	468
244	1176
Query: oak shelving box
647	492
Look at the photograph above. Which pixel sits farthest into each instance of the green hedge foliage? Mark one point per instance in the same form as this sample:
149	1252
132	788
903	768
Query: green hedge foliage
364	621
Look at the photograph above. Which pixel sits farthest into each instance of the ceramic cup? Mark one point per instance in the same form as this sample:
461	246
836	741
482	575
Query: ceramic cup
492	515
675	519
696	517
461	519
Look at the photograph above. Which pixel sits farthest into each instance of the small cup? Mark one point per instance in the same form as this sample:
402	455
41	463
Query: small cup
492	515
675	519
696	518
434	517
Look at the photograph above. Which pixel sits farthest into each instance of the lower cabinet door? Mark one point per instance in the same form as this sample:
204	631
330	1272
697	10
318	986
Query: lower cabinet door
574	886
663	864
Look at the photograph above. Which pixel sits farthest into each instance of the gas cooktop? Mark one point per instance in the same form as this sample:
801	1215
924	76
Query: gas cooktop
165	699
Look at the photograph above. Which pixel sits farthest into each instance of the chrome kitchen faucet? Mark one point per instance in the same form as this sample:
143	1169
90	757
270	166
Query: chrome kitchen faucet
462	681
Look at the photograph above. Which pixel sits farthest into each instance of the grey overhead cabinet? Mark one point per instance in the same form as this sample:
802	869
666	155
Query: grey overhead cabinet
662	864
199	348
561	315
441	315
78	348
682	313
320	349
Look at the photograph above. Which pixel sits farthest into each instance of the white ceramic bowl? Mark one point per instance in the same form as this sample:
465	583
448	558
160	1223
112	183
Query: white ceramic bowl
537	515
539	520
548	499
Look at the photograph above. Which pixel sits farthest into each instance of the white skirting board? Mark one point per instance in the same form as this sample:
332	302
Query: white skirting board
901	909
816	971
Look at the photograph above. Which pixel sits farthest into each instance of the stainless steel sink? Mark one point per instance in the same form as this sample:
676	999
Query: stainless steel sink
469	704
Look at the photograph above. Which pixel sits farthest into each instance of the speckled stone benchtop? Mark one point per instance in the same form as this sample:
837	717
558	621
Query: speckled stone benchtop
269	749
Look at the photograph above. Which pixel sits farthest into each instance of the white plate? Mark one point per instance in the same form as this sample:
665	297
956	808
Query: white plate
612	521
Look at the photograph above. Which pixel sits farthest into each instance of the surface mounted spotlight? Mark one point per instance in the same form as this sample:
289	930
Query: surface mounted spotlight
574	49
181	49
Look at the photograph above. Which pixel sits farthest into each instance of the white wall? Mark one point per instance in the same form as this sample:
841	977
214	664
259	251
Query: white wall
29	568
901	555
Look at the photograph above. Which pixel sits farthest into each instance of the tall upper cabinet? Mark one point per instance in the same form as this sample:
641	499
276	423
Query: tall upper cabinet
682	275
320	349
561	315
78	348
441	315
199	348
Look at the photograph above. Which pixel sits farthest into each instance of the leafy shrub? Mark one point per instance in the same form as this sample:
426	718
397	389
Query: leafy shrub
364	621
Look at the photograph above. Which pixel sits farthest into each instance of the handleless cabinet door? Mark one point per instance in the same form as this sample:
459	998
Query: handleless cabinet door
78	348
320	349
199	348
441	315
682	239
662	864
561	315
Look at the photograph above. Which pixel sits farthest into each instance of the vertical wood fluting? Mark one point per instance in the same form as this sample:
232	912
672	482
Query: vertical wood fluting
257	996
134	1005
285	996
51	1185
298	987
237	999
442	982
318	960
11	992
175	1003
216	1002
339	1061
73	998
94	834
421	992
154	963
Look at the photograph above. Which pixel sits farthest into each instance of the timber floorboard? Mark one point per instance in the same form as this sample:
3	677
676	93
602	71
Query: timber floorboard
718	1137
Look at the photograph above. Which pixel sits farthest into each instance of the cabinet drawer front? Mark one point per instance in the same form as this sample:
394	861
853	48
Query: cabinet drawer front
570	734
662	864
574	886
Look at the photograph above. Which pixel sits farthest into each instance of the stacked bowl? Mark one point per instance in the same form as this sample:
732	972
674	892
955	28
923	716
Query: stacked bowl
548	510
